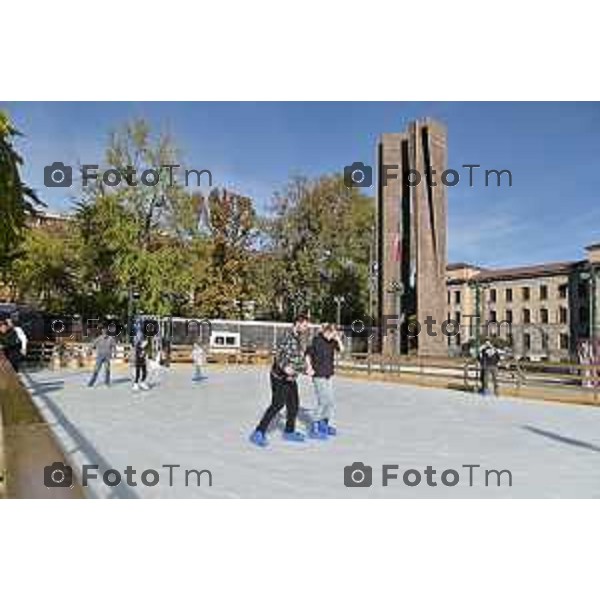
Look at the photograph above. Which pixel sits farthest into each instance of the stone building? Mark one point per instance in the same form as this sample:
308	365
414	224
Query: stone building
544	311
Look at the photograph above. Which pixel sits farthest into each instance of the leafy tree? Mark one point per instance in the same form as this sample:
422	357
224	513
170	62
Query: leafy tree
46	272
17	200
232	233
320	234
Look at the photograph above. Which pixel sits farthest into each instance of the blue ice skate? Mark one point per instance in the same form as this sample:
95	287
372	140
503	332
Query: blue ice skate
316	431
258	438
293	436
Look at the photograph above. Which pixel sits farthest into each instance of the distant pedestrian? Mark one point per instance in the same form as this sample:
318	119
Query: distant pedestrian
489	357
140	346
105	347
199	360
10	344
288	363
320	357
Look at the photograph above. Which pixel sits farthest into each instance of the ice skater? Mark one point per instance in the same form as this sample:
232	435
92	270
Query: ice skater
288	363
139	356
199	360
320	358
105	347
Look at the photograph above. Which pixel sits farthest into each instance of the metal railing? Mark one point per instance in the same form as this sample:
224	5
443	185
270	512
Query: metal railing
567	381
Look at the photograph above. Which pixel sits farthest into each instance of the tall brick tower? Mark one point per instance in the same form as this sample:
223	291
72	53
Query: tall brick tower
411	234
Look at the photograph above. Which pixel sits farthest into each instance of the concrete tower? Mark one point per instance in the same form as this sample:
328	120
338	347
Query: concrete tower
411	235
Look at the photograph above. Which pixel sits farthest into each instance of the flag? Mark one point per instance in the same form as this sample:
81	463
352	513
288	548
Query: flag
396	248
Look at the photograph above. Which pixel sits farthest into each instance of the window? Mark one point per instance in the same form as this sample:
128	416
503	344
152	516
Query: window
544	315
508	294
526	315
543	292
492	295
526	341
493	316
448	296
564	341
509	316
457	317
544	341
563	315
562	291
457	297
230	341
525	293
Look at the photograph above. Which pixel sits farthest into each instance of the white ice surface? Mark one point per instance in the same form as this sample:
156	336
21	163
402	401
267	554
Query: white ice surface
552	450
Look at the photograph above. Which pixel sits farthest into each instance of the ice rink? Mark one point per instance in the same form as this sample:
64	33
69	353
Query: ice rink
551	450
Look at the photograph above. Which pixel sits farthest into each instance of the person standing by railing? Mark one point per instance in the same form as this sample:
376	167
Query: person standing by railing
10	343
489	357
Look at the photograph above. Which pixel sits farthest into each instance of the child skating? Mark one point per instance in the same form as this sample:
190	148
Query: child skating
320	358
199	360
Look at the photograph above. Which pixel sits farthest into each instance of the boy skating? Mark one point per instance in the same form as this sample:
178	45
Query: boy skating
287	365
199	360
320	358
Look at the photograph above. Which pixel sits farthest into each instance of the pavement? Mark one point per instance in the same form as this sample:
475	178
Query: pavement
546	450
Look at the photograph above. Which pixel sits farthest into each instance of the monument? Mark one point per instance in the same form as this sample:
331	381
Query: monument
411	237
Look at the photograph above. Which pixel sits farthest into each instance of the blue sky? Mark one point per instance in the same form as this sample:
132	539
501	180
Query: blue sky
553	150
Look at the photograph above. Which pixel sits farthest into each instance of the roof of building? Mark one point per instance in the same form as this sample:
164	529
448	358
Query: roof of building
460	265
554	268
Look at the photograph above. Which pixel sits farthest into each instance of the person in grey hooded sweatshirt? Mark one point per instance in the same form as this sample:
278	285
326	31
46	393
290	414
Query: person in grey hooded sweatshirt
105	347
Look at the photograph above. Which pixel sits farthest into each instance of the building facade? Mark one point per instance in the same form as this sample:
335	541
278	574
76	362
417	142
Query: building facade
544	312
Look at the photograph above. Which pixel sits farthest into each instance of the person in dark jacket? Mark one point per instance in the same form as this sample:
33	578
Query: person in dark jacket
140	347
288	363
489	357
320	357
10	344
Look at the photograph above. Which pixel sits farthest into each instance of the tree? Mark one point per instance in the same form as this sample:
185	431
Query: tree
46	272
232	233
17	200
319	237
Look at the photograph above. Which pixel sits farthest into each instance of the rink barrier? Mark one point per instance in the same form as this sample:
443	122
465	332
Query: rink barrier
27	444
569	378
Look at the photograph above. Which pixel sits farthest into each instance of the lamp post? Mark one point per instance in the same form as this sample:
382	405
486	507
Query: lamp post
397	289
590	277
339	300
477	286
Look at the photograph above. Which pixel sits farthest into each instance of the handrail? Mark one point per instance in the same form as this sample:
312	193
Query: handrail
27	444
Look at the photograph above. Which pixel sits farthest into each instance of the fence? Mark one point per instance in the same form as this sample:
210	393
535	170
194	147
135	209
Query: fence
555	381
27	445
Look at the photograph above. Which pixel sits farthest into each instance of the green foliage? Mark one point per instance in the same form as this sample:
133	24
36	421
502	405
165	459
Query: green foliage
313	245
17	200
319	239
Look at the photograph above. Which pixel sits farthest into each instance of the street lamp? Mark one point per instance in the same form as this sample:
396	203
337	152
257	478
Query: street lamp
397	289
590	277
339	300
478	286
